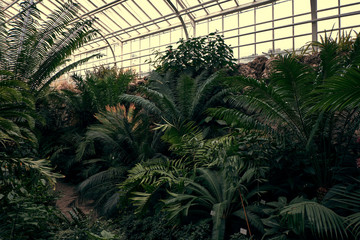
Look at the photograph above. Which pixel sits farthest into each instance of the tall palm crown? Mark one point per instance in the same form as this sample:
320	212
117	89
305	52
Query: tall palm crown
33	50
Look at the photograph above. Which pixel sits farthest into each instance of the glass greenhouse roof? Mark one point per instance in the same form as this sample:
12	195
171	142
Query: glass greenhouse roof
120	20
132	32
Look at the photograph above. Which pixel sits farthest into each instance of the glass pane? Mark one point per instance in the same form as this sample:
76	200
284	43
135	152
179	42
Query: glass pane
282	45
349	9
247	39
301	6
322	4
349	21
303	29
282	9
215	25
302	41
233	42
328	25
333	12
247	54
263	36
230	22
246	18
302	18
264	14
202	29
263	48
283	32
176	34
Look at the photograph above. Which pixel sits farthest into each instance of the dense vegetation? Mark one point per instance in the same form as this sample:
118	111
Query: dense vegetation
196	151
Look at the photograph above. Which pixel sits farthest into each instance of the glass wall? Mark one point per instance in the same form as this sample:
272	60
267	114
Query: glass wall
284	25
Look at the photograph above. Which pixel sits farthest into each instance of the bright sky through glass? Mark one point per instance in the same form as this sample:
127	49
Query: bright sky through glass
135	28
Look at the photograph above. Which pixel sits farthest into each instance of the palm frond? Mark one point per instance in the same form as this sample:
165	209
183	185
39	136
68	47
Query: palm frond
353	223
139	101
340	91
321	220
67	69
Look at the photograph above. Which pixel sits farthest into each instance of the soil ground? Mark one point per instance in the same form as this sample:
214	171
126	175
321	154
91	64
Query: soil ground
68	198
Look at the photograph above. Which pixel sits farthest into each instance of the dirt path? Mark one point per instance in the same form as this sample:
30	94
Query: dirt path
69	199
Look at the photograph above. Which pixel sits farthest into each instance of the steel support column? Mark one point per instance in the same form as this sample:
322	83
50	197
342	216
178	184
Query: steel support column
314	24
180	18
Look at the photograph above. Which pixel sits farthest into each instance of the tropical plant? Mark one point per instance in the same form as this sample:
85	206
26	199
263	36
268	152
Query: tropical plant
344	199
284	108
101	87
302	219
178	100
17	113
26	205
121	139
340	91
198	54
80	226
210	194
34	49
70	110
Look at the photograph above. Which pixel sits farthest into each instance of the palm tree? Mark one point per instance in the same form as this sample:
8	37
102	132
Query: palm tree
34	50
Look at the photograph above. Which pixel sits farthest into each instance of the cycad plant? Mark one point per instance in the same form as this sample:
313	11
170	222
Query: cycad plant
178	100
120	140
34	49
70	111
284	107
17	113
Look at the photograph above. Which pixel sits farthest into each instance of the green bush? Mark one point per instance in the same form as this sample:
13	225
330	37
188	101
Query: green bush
196	54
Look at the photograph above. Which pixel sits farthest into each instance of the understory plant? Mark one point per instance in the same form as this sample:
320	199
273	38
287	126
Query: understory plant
69	111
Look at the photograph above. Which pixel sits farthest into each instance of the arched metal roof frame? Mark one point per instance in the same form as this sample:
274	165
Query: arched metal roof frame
156	16
121	21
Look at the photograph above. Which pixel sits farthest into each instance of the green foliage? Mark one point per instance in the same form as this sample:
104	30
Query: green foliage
17	114
210	194
284	108
33	49
82	227
340	63
176	100
302	217
196	54
145	227
120	140
102	87
71	111
198	231
25	201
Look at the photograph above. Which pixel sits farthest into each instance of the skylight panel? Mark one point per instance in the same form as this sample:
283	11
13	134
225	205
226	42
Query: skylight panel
86	6
150	11
130	6
162	7
126	15
227	5
213	9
